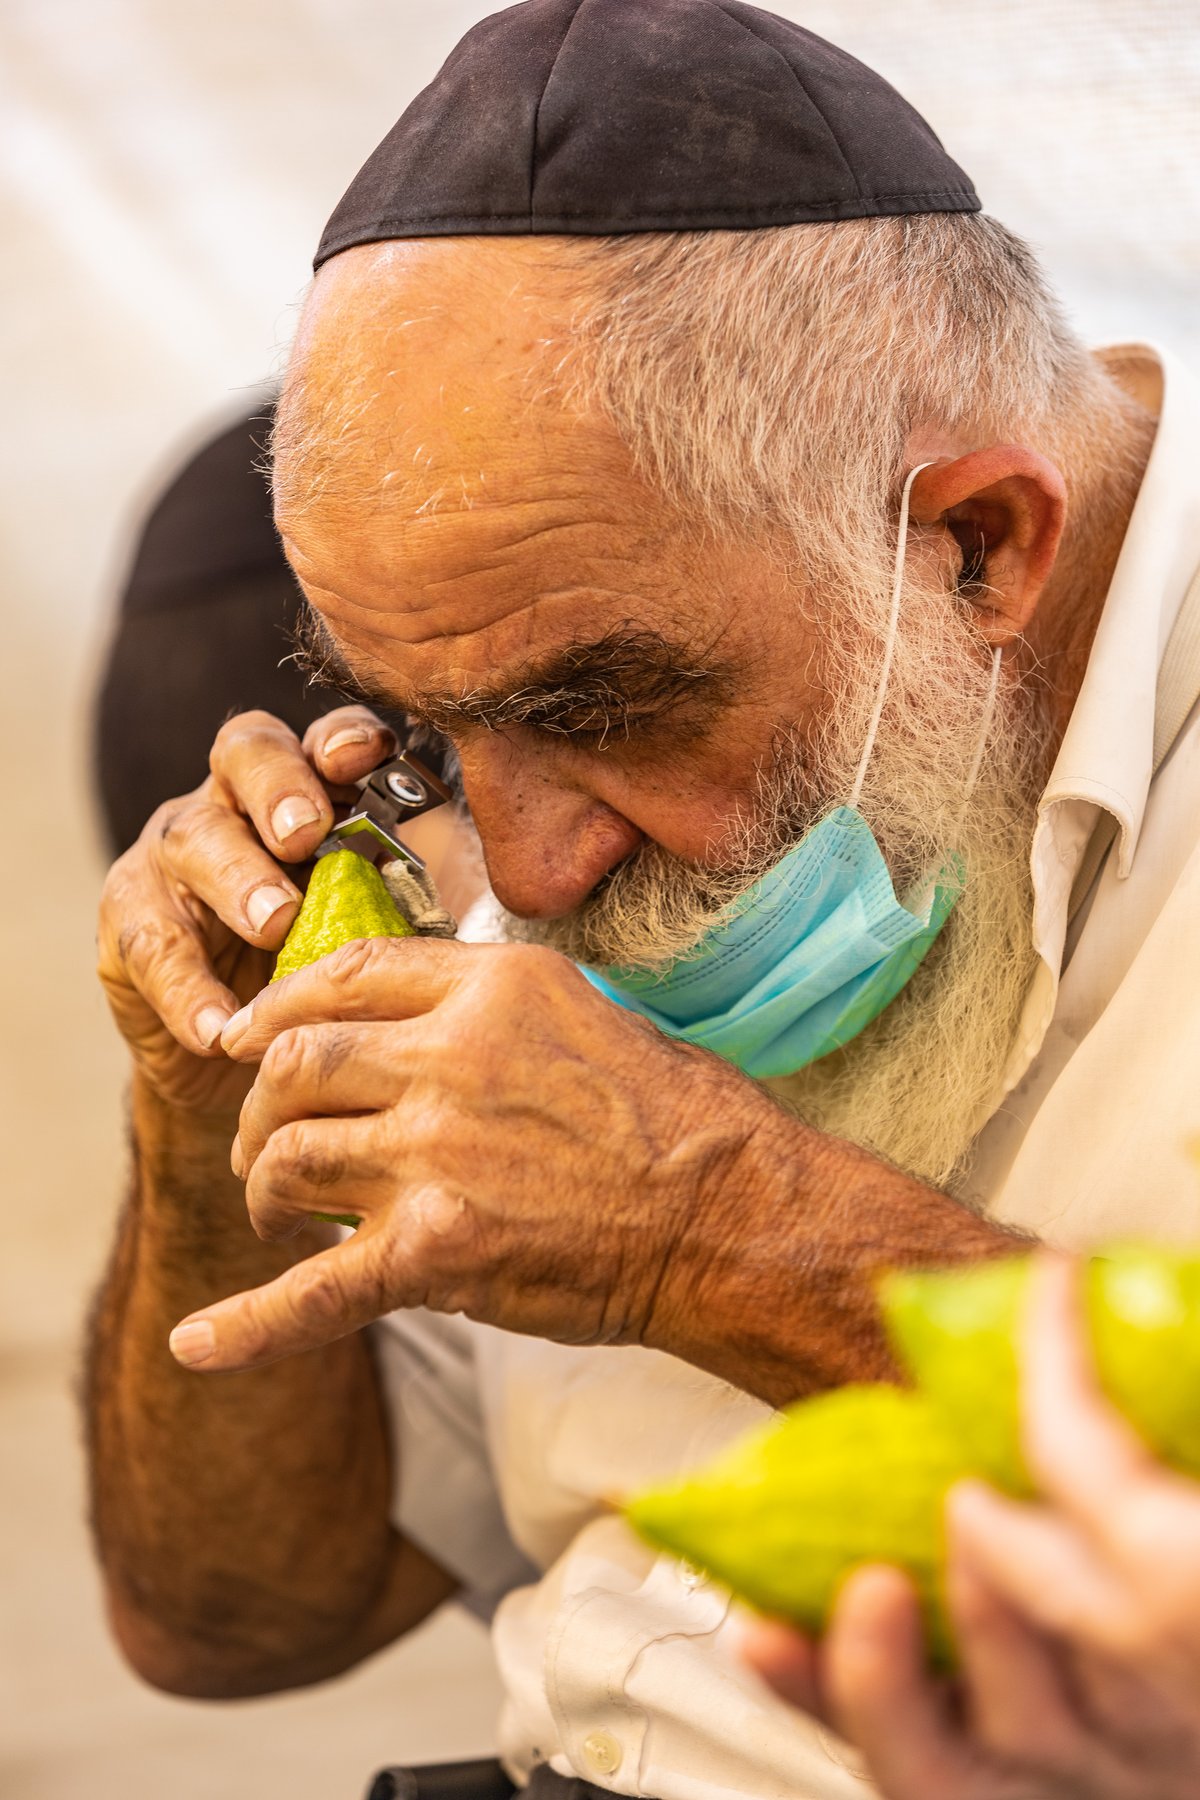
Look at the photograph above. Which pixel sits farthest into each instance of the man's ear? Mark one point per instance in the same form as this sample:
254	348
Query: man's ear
1004	507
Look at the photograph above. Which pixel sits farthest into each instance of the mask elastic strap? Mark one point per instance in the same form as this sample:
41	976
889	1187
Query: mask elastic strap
985	728
989	708
889	651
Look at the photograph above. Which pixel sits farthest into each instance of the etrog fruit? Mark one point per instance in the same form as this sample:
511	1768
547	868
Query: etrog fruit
861	1475
783	1516
958	1332
346	899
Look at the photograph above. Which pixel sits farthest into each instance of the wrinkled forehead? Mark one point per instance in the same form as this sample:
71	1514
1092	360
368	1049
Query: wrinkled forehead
434	479
428	377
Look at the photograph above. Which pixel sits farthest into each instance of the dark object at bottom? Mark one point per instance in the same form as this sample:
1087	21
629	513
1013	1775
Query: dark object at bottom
482	1780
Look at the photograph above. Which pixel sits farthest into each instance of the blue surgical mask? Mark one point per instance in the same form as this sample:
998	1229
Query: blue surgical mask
817	948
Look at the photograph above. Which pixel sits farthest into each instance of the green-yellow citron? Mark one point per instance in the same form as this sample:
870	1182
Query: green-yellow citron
958	1332
861	1475
783	1516
346	900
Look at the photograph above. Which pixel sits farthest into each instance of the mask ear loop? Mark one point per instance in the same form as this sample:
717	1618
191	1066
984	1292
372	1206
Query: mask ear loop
988	709
890	649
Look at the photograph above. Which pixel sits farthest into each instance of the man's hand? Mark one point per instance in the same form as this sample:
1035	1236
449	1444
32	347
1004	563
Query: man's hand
516	1147
191	913
1076	1618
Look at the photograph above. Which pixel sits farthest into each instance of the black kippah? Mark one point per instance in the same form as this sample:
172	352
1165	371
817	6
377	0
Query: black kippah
601	117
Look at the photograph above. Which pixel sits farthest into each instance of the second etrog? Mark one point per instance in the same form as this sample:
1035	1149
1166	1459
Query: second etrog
861	1475
346	900
957	1333
786	1513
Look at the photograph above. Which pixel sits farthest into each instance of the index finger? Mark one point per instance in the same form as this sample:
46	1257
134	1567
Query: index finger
324	1297
262	771
347	743
372	978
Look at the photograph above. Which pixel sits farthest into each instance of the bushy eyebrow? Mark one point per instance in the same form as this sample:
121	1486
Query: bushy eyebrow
599	688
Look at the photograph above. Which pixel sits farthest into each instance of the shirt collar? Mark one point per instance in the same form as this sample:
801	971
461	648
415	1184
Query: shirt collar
1107	753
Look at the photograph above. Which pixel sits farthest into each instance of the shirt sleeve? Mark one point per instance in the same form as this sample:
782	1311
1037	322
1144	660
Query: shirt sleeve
444	1497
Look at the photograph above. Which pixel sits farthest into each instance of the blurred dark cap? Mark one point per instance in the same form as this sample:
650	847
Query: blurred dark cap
603	117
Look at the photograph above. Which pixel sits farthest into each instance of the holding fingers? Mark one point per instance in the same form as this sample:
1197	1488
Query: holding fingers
1075	1617
191	912
1111	1560
511	1142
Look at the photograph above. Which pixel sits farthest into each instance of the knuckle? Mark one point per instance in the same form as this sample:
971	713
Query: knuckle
161	821
520	973
534	962
333	1049
443	1235
287	1057
144	943
243	728
340	717
190	827
318	1293
116	899
377	1277
362	960
301	1159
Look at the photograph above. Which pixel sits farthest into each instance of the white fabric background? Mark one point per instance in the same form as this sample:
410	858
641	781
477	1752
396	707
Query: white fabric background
164	173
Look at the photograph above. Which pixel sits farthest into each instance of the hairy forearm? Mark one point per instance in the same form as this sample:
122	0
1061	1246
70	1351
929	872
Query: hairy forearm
774	1288
222	1504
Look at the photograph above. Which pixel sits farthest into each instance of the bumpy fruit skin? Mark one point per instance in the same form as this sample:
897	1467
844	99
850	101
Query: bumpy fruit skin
782	1518
1144	1312
957	1333
346	900
861	1475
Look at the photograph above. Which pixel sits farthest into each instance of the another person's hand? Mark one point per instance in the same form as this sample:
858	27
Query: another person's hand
1078	1619
516	1147
191	913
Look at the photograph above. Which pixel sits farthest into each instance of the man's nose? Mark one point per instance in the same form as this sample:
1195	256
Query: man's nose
546	840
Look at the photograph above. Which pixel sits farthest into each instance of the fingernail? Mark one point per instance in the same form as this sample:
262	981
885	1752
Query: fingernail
342	740
265	902
210	1023
192	1343
237	1026
237	1161
291	814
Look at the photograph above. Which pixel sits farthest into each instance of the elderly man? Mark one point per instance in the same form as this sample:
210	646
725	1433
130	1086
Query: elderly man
667	428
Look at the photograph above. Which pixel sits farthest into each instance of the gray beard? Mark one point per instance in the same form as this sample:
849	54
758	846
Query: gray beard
917	1085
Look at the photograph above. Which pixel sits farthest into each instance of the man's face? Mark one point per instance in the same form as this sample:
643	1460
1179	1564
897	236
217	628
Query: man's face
611	674
633	697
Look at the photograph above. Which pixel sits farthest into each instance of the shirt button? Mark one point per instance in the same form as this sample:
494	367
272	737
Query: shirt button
602	1753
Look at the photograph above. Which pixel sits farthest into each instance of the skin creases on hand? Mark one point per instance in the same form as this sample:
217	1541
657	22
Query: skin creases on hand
473	1105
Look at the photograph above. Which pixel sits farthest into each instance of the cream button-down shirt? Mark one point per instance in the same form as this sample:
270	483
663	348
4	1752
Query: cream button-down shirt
619	1665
